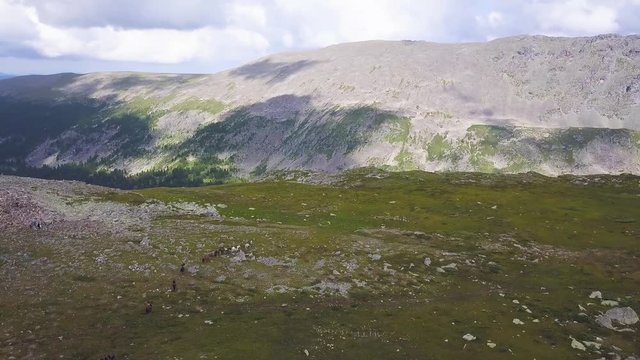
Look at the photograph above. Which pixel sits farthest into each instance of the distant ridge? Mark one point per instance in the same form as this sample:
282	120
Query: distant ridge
549	105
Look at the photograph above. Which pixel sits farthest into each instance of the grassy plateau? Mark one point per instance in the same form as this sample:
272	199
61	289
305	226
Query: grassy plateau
369	265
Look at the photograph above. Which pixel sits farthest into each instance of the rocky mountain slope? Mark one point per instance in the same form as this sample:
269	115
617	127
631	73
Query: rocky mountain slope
551	105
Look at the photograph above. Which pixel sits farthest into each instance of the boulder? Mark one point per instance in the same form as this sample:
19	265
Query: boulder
427	261
239	257
577	345
469	337
622	316
595	295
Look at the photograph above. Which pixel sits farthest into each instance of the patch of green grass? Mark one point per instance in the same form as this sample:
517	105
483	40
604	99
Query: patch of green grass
399	128
438	147
490	137
211	106
635	138
404	160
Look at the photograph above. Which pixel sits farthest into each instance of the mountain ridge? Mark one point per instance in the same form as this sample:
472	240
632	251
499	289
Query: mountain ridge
550	105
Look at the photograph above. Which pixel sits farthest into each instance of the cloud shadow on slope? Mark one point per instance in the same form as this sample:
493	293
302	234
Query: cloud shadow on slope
274	72
299	133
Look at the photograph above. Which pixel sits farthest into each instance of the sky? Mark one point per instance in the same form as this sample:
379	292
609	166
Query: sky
207	36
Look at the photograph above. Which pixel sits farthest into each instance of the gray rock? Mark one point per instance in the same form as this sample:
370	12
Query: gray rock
375	257
427	261
101	260
239	257
319	264
618	316
269	261
351	265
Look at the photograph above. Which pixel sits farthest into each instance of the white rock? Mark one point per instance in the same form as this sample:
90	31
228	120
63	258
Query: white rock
515	301
609	303
452	266
491	344
577	345
306	352
595	295
592	344
518	322
469	337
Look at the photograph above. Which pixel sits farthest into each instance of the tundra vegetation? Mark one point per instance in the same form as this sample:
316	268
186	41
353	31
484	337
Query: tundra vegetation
366	264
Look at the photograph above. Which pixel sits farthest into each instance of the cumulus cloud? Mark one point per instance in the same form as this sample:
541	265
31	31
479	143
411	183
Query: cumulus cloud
152	45
576	17
203	35
136	14
23	24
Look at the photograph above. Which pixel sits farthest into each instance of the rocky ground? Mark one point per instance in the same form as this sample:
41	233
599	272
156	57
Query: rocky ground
404	265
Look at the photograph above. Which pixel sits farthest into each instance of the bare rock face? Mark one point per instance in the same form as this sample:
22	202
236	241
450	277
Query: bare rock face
527	103
616	317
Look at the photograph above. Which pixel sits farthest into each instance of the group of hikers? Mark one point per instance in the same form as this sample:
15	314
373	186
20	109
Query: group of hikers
174	287
221	251
148	308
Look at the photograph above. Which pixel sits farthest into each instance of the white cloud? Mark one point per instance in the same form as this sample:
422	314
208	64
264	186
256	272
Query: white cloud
325	22
131	14
218	34
247	15
149	45
576	17
493	20
164	46
16	21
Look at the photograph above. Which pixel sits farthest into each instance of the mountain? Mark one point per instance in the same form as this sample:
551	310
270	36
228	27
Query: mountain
5	76
519	104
